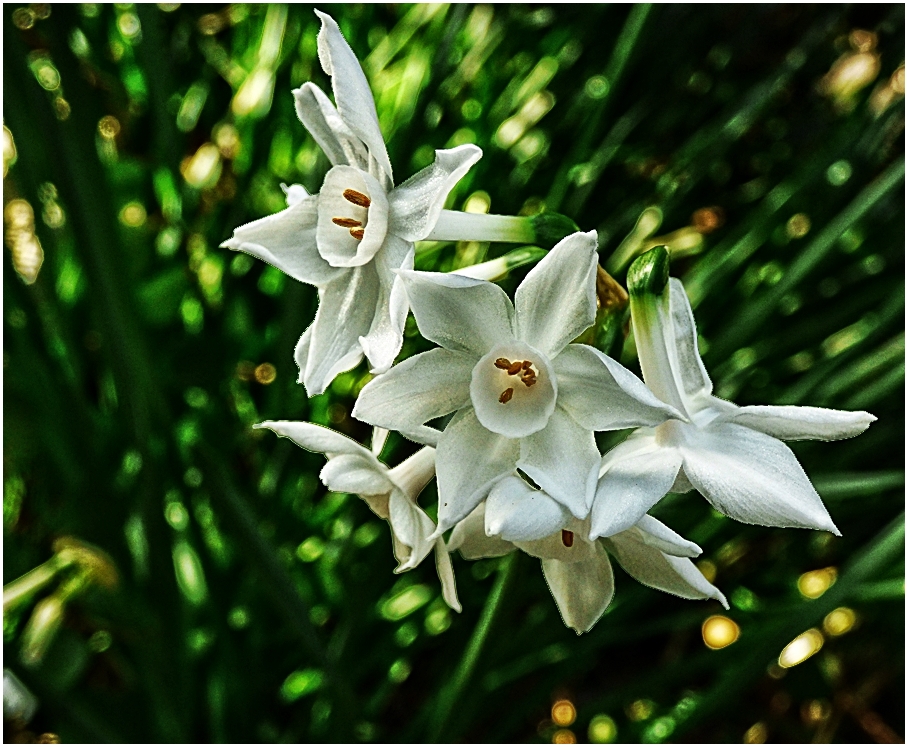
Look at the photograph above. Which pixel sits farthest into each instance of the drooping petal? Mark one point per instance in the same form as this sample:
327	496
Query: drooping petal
421	388
351	90
458	313
386	336
563	460
286	240
678	576
412	527
417	203
446	575
316	438
557	299
345	311
634	476
356	473
792	423
655	534
330	132
469	461
516	511
582	591
603	395
469	536
753	478
336	243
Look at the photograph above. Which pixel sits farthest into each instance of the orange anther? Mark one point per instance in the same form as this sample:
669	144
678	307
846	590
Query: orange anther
502	363
527	365
506	396
357	233
346	222
357	198
567	538
514	368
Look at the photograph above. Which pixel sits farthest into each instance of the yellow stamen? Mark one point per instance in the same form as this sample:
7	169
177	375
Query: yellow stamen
514	368
506	396
357	198
502	363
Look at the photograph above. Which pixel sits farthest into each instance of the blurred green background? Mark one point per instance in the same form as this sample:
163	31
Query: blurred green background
224	595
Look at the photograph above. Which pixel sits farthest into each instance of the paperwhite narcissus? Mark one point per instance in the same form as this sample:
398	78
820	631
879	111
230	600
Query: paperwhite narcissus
577	570
523	397
733	455
390	493
350	238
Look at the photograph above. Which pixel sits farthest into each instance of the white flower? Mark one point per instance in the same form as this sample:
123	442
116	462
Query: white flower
523	396
350	238
733	455
390	493
577	570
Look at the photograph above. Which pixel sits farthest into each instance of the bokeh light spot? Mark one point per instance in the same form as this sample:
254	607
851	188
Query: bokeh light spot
719	631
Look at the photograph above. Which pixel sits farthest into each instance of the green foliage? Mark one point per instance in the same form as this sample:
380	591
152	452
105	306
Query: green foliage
251	605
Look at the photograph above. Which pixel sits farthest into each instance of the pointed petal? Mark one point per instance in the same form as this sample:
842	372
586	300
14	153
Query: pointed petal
516	511
286	240
417	203
424	435
655	534
563	460
351	90
386	337
412	528
582	591
791	423
379	438
458	313
356	473
557	299
330	132
753	478
446	576
678	576
691	373
295	193
603	395
634	476
316	438
469	461
345	311
469	536
423	387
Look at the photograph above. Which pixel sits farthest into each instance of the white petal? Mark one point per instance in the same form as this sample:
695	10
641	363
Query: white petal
345	310
295	193
635	475
316	438
351	91
791	423
553	547
356	473
446	575
469	536
516	511
414	473
602	394
563	460
324	123
386	337
582	591
337	244
412	527
506	403
417	203
469	461
379	438
424	435
458	313
655	534
286	240
678	576
691	373
753	478
557	299
421	388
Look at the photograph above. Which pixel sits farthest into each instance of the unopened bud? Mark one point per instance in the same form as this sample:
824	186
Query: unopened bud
550	228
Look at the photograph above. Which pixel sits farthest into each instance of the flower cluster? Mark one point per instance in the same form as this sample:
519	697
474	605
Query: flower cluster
508	405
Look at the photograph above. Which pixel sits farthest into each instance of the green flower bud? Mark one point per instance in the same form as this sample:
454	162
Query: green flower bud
550	228
649	273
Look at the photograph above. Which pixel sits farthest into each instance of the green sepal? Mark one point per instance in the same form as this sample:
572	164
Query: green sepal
550	228
648	274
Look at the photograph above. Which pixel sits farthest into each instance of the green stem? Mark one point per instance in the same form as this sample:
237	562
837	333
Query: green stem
450	694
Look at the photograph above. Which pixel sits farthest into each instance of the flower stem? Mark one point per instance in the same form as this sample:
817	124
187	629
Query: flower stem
450	694
454	225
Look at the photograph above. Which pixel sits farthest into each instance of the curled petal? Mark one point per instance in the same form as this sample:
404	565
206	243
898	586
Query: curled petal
791	423
655	534
469	536
412	527
329	130
515	511
356	473
417	203
446	575
316	438
582	590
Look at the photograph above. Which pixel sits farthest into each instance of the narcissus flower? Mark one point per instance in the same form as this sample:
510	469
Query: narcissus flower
390	493
577	570
733	455
522	395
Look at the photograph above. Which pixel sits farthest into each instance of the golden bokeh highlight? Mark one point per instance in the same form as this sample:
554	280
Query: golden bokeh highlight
814	584
564	736
708	219
719	631
839	621
815	712
564	713
798	226
133	215
801	648
603	729
265	373
19	233
109	127
640	710
756	734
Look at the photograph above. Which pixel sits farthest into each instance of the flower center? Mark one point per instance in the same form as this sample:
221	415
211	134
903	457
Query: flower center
525	372
356	227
